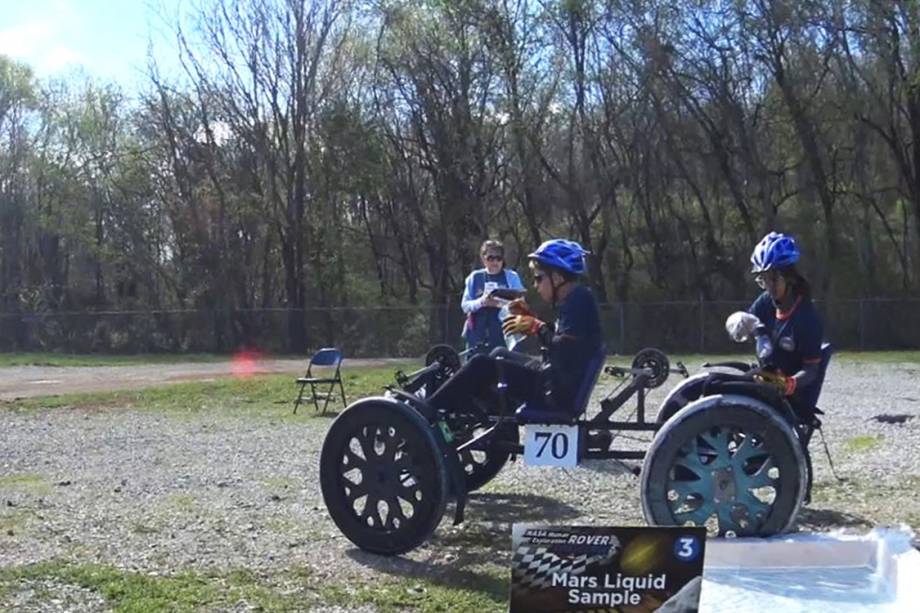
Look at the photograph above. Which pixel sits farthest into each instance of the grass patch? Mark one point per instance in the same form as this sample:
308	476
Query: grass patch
888	357
130	592
26	482
468	536
125	592
14	521
278	525
256	394
94	359
281	483
22	480
142	528
863	443
484	592
181	502
866	489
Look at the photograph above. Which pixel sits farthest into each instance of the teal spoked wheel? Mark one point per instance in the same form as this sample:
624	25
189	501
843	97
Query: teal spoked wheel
729	463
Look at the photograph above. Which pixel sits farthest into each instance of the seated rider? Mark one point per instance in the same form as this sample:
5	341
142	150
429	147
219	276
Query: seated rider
790	319
551	385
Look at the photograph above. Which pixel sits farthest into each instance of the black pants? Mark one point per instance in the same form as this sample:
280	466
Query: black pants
803	405
478	379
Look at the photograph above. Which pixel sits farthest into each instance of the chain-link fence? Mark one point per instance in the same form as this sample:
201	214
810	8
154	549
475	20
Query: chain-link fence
689	326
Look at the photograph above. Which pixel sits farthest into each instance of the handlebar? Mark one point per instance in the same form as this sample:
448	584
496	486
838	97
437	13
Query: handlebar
404	379
680	369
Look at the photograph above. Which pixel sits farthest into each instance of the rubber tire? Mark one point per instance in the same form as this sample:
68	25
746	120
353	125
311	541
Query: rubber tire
660	364
484	472
727	410
424	453
447	355
684	393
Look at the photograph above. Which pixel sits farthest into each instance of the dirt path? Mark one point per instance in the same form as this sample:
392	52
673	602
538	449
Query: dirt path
27	381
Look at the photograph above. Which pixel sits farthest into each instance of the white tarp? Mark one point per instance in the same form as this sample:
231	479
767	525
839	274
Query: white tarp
814	573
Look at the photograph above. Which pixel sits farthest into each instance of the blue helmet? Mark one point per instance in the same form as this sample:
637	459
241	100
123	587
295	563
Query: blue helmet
774	250
562	254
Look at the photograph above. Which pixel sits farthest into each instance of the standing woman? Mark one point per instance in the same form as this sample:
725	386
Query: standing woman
786	311
483	329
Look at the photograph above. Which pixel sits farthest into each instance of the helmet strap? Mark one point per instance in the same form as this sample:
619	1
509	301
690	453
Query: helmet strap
788	297
556	289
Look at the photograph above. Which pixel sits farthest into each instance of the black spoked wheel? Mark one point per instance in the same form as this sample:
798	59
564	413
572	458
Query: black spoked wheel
656	361
481	466
383	477
449	361
727	463
445	354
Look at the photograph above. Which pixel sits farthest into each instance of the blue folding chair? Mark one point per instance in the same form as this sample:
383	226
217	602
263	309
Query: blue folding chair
327	357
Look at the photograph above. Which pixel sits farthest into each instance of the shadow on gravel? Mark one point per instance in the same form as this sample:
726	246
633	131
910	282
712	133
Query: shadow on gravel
453	570
485	536
613	467
820	519
510	508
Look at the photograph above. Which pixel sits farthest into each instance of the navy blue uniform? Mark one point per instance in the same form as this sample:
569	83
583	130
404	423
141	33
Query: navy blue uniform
578	336
796	336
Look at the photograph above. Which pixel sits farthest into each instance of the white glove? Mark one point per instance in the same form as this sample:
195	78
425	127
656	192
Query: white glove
740	325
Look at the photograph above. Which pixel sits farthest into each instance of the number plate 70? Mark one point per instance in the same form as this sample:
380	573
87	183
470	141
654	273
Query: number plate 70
550	445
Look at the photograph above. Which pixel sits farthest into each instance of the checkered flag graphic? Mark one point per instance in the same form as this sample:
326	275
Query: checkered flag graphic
533	567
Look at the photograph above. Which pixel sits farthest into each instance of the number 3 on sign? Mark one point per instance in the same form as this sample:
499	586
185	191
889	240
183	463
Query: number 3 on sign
550	445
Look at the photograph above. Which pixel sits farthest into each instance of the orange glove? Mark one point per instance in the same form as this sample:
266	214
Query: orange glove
519	307
521	324
786	385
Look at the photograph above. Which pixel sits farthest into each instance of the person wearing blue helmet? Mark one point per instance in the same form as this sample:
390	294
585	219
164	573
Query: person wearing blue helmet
557	266
789	316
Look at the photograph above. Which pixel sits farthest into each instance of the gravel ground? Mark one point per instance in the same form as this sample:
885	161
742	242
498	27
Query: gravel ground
160	493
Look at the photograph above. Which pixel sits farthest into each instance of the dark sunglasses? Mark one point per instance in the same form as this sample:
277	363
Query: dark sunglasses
494	258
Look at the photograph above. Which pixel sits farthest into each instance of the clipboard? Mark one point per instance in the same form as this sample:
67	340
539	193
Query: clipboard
506	293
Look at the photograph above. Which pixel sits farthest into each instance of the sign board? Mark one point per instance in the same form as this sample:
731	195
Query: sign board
591	568
550	445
